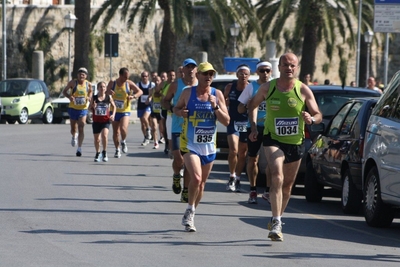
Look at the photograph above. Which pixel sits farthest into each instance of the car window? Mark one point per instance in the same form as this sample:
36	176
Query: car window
220	84
329	102
35	87
389	104
350	118
338	120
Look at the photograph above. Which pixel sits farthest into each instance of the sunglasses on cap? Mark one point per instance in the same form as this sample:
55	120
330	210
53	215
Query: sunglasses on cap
264	70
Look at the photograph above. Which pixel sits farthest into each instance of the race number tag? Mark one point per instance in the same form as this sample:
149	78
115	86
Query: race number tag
203	135
240	126
156	107
101	110
261	107
144	98
80	101
119	104
286	126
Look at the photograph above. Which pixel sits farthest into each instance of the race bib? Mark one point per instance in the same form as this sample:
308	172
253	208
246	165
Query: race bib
156	106
119	104
286	126
203	135
240	126
261	107
101	110
80	101
144	98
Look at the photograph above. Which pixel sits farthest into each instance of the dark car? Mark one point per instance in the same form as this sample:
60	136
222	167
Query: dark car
334	159
23	99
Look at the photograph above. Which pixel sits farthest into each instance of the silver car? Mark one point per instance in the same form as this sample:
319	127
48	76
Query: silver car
381	160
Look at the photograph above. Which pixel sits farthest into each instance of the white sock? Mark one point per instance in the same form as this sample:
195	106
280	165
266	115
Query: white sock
232	175
278	218
190	207
237	178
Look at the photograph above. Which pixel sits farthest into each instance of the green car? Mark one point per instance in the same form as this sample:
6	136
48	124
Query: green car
24	99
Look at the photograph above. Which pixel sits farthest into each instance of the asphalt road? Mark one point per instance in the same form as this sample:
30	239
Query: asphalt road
60	210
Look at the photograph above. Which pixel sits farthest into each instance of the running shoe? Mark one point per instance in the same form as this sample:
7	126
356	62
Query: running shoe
230	186
190	228
185	195
97	157
162	140
188	218
117	154
145	142
78	152
253	197
124	147
237	186
176	184
265	196
74	140
148	134
275	233
156	146
105	158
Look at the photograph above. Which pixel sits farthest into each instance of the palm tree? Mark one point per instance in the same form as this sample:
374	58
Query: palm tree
177	22
82	37
315	21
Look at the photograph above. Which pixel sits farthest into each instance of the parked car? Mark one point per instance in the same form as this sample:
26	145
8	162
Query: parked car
334	159
381	160
23	99
61	108
330	98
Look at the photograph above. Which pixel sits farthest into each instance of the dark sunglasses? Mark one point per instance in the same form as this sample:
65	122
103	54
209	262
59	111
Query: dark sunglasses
265	70
144	76
208	73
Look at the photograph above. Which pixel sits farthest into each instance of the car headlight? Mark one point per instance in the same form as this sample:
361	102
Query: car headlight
15	100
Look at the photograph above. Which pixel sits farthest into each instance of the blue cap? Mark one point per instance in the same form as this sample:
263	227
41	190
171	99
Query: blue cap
189	61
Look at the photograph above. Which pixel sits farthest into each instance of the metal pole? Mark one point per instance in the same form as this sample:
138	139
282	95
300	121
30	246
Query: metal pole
368	55
110	57
234	46
358	42
386	60
69	55
4	71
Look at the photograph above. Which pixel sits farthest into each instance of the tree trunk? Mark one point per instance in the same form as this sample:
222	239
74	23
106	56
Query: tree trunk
82	37
168	42
310	41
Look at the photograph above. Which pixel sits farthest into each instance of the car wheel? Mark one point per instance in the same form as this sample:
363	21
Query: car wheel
23	116
376	213
48	116
312	189
351	196
57	120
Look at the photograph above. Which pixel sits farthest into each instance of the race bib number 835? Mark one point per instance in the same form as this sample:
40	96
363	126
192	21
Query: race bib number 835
203	135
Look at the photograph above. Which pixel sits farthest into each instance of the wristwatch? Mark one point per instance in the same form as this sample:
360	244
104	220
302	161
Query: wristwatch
216	107
312	120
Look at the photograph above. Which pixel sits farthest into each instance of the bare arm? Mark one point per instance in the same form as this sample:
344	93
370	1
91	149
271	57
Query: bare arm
227	90
136	92
166	102
70	85
109	90
180	109
222	113
242	108
113	107
313	110
252	107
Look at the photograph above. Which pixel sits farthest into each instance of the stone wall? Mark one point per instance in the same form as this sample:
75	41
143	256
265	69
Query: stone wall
139	51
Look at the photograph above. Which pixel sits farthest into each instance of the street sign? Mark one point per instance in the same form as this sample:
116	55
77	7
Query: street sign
387	16
111	45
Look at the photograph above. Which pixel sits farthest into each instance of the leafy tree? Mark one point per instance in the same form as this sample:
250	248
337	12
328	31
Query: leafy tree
315	21
177	20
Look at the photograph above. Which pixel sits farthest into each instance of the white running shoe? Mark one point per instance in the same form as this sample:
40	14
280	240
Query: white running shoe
124	147
117	154
162	140
104	154
188	218
74	140
156	146
276	231
145	142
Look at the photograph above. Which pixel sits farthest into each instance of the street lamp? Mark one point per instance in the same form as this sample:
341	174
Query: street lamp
368	35
235	28
70	25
